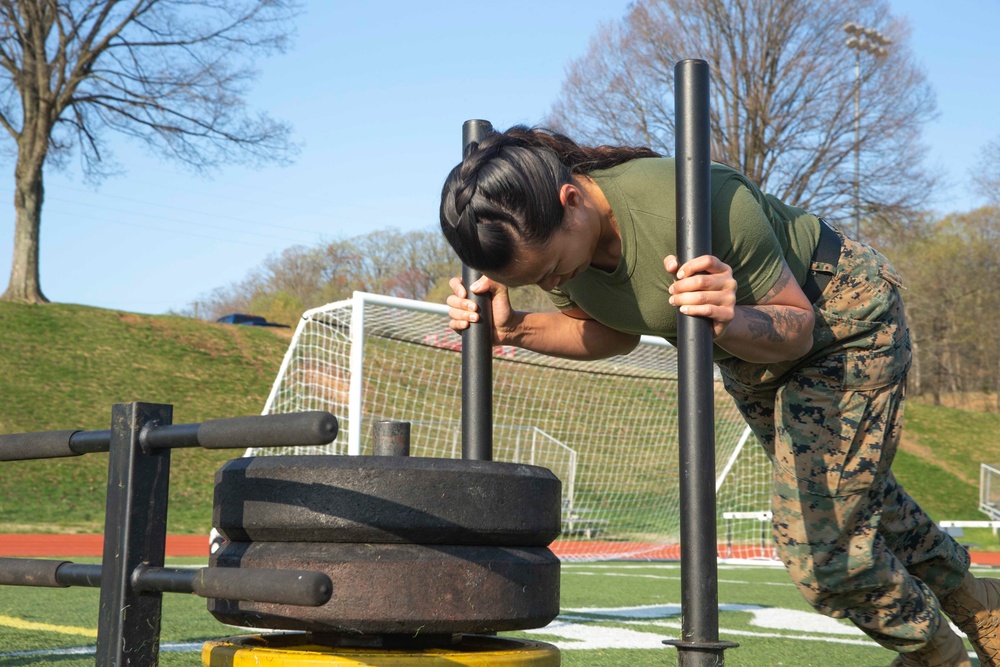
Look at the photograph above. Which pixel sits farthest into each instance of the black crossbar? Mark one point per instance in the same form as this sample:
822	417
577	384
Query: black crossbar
304	588
299	429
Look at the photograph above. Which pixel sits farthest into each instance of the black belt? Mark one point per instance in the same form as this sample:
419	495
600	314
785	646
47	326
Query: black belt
827	252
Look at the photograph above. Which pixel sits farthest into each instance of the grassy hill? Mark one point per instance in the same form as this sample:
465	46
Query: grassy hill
62	366
940	459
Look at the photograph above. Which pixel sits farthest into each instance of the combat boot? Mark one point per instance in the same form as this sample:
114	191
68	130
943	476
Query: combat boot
945	649
975	608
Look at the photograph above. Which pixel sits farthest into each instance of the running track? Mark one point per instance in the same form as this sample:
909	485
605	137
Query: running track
48	546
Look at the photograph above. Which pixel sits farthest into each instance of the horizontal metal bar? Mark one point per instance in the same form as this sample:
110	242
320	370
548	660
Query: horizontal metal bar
79	574
43	445
172	436
52	444
48	573
295	587
30	572
298	429
89	442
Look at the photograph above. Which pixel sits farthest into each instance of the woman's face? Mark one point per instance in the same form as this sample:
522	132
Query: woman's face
564	256
567	253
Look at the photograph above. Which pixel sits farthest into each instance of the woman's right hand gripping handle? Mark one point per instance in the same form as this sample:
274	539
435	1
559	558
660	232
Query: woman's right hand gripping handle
463	310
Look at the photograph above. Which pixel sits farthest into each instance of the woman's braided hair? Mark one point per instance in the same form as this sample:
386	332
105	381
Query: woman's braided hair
506	191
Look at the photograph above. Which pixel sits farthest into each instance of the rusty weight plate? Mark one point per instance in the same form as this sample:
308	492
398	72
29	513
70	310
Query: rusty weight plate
402	588
386	499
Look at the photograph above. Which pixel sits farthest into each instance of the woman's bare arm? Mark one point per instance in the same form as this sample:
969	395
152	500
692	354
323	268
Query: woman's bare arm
777	328
571	334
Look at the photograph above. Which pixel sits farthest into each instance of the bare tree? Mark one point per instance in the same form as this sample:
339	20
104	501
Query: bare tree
170	73
415	265
783	91
386	261
987	173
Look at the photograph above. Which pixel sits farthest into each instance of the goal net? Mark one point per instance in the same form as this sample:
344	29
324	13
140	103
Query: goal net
607	429
989	490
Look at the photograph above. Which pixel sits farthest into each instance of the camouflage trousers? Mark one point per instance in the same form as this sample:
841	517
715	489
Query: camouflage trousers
856	545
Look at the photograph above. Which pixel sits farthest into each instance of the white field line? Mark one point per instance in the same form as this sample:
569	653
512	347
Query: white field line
772	635
671	565
189	647
676	578
569	635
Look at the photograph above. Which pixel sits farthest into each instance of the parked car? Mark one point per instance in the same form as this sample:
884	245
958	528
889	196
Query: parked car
249	320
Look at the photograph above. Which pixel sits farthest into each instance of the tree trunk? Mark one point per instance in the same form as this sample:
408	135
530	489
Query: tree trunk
25	286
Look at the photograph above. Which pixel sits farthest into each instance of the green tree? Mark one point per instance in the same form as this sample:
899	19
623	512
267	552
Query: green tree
171	74
783	91
950	268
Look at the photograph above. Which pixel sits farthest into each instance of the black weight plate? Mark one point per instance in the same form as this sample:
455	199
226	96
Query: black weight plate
402	588
386	499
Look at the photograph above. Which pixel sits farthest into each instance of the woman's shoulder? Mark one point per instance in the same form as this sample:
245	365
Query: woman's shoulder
723	175
644	184
639	169
657	171
648	185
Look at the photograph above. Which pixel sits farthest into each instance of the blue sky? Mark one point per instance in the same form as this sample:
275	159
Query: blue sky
377	92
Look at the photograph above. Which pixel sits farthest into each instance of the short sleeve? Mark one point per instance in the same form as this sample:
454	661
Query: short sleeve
743	237
561	299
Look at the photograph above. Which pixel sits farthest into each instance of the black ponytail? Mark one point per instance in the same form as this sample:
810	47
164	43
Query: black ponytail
506	191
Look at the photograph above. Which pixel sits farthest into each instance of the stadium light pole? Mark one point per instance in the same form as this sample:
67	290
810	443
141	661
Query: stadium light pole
861	39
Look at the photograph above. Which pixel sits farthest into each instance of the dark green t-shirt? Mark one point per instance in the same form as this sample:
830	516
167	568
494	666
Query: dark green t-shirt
752	232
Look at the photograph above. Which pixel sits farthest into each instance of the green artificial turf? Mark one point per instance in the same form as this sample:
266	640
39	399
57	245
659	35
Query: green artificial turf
613	614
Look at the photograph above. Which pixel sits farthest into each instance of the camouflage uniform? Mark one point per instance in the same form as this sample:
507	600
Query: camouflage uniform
856	545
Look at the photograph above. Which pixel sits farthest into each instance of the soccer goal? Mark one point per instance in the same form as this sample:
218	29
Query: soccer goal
989	490
607	429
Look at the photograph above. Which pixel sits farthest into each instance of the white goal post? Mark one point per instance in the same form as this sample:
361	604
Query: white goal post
607	428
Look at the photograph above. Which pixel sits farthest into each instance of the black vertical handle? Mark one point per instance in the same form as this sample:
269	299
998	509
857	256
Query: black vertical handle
699	645
477	346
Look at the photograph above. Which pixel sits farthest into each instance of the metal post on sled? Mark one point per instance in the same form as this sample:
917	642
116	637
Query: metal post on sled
699	645
477	346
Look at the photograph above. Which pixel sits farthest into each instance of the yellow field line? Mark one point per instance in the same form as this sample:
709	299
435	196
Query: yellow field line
21	624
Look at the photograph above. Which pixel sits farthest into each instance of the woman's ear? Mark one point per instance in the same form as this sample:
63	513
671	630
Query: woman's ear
570	195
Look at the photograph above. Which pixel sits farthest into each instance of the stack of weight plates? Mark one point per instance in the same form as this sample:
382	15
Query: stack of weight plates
412	545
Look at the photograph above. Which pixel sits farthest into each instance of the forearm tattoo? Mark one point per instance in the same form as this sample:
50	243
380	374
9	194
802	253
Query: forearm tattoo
783	279
773	323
